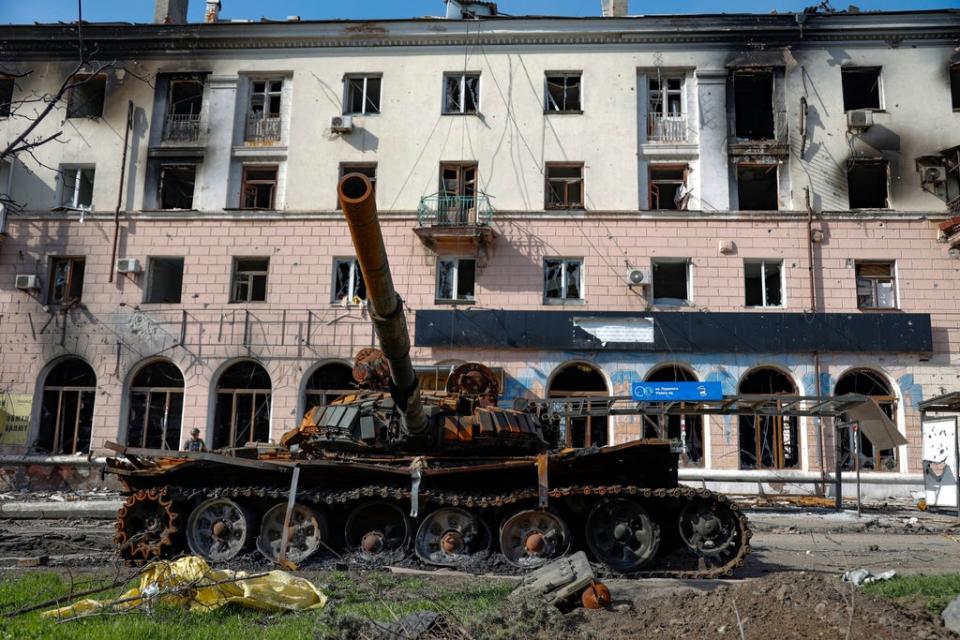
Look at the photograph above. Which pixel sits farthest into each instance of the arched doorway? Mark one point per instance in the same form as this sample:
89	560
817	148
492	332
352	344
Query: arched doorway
688	430
327	383
580	380
768	442
242	414
869	383
66	411
156	407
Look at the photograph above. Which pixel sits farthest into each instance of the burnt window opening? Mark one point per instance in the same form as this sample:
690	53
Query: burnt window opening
164	280
581	381
562	279
455	279
184	102
868	383
668	187
876	285
753	105
327	383
671	281
369	169
348	284
563	92
861	88
259	187
457	201
87	97
66	280
461	93
76	187
242	412
682	428
249	280
769	442
757	187
156	407
867	184
66	410
564	186
363	95
6	96
763	283
954	87
176	185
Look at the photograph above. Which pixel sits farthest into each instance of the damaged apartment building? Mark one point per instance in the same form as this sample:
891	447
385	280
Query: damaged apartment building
767	201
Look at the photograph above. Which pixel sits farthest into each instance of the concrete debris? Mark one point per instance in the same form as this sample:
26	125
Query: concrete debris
951	616
861	577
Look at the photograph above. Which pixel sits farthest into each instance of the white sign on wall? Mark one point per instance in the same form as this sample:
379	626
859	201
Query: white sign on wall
940	461
618	330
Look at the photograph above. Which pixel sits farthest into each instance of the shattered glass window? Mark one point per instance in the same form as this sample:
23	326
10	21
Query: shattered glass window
461	93
250	279
876	285
455	279
563	92
564	189
66	282
363	95
77	190
563	279
348	285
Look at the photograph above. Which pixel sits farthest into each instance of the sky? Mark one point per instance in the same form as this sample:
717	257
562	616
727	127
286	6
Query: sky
27	12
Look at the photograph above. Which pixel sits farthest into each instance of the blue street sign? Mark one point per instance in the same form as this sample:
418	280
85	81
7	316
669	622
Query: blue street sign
676	391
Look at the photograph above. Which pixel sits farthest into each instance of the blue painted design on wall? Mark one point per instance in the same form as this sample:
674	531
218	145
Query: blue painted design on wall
912	392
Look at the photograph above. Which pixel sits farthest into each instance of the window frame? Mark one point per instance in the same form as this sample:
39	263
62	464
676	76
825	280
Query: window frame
161	168
455	278
346	94
763	279
566	206
564	283
547	99
235	275
884	166
68	299
851	68
82	81
463	75
76	170
149	278
355	277
6	99
671	302
954	76
345	168
673	166
873	280
665	93
244	183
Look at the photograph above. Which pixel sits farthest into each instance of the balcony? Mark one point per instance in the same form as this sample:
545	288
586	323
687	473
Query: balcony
261	129
661	128
182	127
769	139
453	224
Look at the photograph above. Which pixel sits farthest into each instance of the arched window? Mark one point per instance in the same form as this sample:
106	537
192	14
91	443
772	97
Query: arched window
868	383
156	407
242	414
66	412
327	383
768	442
579	380
688	430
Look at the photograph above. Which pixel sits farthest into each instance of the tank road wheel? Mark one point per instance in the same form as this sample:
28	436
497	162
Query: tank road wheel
308	530
530	538
375	527
710	531
146	525
219	528
622	535
449	536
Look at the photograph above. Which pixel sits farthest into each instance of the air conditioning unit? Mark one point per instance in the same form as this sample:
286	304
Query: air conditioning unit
638	277
859	119
128	265
933	175
27	282
341	124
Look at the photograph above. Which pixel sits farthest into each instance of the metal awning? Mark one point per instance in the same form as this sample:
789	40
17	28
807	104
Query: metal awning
947	403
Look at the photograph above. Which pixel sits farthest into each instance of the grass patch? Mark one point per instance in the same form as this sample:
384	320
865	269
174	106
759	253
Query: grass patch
934	592
355	599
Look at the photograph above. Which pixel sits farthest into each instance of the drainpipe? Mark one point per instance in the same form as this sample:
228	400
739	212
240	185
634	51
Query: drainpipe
816	354
123	173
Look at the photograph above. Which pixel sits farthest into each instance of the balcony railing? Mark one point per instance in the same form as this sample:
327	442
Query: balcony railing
262	129
182	127
661	128
437	210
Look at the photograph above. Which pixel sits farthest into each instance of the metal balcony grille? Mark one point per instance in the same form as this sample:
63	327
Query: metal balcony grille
262	129
182	127
661	128
454	211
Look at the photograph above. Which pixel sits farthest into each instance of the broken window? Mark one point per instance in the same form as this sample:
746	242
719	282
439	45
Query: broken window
562	279
249	280
242	413
753	104
954	87
671	281
867	184
327	383
668	187
757	187
263	118
461	93
259	187
363	95
184	101
176	184
665	122
455	279
66	412
6	96
868	383
564	188
156	407
164	280
76	187
769	442
457	202
86	98
580	380
348	285
763	283
682	428
368	169
876	285
563	92
861	87
66	280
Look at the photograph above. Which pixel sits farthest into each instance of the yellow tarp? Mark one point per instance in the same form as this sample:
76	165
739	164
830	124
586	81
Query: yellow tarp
189	582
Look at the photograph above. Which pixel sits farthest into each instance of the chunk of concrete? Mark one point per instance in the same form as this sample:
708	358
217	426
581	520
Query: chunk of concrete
951	616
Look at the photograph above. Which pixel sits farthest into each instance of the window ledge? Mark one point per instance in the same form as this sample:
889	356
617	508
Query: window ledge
875	110
563	301
242	302
362	115
458	113
567	112
879	309
447	302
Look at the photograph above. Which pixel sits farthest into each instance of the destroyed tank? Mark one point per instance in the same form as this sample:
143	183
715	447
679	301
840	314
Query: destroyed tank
452	477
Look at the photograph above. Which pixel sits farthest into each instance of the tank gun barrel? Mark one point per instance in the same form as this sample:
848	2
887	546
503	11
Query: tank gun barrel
360	209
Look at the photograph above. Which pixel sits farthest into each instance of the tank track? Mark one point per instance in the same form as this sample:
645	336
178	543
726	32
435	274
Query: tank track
489	501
